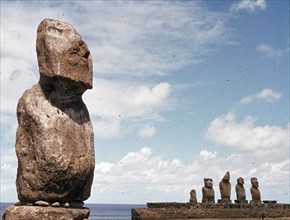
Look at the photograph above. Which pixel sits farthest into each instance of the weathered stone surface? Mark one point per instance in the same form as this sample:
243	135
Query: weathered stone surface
255	192
225	188
55	204
208	191
45	213
167	204
62	52
240	191
193	198
54	140
41	203
76	204
65	205
175	211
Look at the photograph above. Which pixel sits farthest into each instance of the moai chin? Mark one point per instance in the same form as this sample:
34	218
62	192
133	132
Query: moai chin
225	188
55	139
255	192
240	191
208	191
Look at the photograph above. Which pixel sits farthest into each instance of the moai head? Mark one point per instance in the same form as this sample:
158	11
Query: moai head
64	60
240	181
208	183
227	177
254	182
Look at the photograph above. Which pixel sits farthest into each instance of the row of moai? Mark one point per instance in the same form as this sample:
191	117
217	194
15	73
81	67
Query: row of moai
208	194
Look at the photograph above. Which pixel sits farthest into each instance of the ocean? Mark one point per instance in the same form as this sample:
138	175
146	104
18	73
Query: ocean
102	211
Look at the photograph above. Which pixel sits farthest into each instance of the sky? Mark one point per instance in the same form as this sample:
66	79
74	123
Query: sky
183	90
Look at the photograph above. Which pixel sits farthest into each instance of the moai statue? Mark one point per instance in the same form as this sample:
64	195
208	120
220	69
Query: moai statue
225	188
255	192
193	199
208	191
55	139
240	191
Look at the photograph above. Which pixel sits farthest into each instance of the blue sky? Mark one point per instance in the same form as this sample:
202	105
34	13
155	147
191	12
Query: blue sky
182	90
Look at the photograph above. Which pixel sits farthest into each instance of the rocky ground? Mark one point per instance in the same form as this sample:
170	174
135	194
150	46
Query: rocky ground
212	211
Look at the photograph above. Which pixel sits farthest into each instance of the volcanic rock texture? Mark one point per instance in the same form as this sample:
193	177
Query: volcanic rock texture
55	140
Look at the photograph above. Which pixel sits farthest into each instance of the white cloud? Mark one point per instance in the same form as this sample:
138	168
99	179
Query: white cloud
207	154
270	52
145	96
141	176
247	100
16	77
104	167
269	95
150	38
249	5
144	177
268	140
266	95
106	128
117	98
147	131
8	169
18	54
117	107
133	157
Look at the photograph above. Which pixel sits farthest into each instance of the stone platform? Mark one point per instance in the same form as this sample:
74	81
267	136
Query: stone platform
176	211
44	213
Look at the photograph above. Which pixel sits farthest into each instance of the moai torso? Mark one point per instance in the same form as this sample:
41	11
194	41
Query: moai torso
256	195
55	140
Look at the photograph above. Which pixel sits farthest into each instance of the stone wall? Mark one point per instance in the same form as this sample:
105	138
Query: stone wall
175	211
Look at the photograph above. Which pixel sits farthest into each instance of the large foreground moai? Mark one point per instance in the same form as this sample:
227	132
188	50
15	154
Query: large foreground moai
54	141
